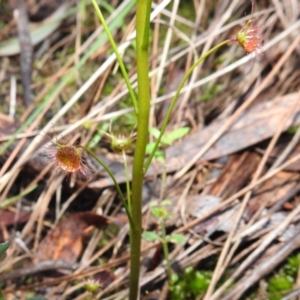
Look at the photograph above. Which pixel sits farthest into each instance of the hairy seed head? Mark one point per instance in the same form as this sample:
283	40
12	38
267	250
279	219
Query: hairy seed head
68	158
250	37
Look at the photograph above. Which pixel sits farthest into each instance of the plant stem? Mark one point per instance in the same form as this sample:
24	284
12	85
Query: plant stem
118	56
142	39
165	249
169	112
128	191
106	168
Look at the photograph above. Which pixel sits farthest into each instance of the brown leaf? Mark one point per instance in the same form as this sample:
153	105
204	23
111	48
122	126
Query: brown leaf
236	173
255	125
223	221
280	148
9	218
272	191
65	242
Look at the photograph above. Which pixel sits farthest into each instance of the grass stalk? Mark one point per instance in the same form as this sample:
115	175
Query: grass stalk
118	56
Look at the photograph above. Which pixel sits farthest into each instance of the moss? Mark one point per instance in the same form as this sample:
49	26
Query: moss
278	285
190	284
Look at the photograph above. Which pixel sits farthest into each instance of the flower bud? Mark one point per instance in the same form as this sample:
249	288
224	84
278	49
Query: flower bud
92	286
121	143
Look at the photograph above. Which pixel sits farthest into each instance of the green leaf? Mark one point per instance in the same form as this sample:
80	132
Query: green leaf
3	247
14	199
174	278
153	203
37	298
176	238
160	212
157	212
166	202
149	148
151	236
175	135
159	155
155	132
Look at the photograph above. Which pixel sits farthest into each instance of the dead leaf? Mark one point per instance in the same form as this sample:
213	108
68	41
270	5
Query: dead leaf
271	191
236	174
255	125
223	221
280	148
65	242
9	218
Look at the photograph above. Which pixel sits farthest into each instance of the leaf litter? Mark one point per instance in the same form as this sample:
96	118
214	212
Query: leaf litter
205	200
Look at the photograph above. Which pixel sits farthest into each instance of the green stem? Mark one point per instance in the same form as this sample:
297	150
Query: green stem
165	249
168	115
128	191
142	40
118	56
106	168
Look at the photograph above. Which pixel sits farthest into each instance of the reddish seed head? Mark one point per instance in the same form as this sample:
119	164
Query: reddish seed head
250	38
68	158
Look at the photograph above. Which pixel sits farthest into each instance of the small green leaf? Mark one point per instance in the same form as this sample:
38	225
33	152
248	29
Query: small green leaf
153	203
160	212
157	212
166	202
159	154
175	135
154	131
176	238
3	247
174	278
151	236
149	148
14	199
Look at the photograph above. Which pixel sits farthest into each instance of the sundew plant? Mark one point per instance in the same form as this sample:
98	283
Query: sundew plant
69	158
